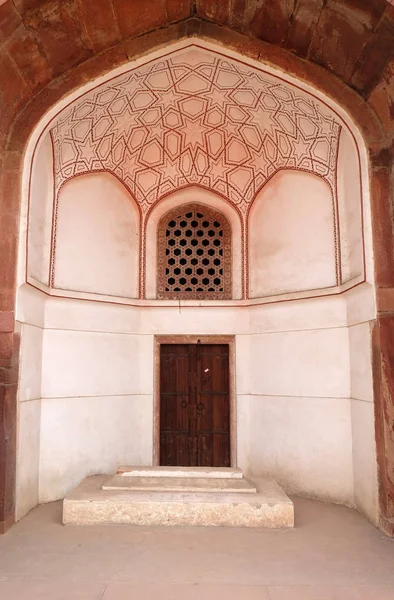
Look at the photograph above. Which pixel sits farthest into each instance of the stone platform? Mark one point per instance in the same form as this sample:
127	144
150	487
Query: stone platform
178	496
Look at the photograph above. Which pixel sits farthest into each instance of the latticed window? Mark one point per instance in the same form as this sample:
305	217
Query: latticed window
194	254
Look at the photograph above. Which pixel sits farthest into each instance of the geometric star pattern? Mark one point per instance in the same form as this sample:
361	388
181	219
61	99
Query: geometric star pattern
195	117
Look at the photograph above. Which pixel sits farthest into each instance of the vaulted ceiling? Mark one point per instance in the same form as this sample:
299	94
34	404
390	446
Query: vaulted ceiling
195	117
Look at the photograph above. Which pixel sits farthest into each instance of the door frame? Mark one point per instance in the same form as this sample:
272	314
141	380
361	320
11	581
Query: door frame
228	340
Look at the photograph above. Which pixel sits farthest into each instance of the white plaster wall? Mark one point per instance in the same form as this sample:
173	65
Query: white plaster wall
304	443
97	383
31	317
360	304
90	363
364	459
363	421
97	237
300	363
183	320
40	211
349	208
30	362
80	315
30	306
82	436
322	312
361	312
294	410
28	457
291	236
361	362
97	389
303	382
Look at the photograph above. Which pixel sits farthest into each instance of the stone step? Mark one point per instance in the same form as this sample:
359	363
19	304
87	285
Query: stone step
179	484
189	472
89	504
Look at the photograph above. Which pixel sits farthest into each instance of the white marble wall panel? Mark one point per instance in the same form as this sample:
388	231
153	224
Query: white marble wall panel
97	237
82	315
298	358
305	443
301	363
285	254
311	313
85	436
40	212
83	363
361	304
364	459
30	362
349	207
202	320
28	456
361	362
242	364
30	305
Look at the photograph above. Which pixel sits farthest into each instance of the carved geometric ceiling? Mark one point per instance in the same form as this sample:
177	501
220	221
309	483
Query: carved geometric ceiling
195	117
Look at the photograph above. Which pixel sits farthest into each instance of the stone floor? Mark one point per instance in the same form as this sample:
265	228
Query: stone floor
332	554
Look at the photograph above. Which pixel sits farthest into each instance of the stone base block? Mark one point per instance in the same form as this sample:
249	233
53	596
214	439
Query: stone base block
89	504
187	472
179	484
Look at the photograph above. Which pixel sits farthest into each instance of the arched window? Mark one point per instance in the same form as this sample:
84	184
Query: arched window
194	254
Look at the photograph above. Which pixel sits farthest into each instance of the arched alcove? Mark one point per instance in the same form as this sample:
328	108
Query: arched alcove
194	258
294	361
211	201
292	241
96	240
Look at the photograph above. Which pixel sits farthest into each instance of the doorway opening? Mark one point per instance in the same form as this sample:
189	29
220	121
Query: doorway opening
194	422
194	405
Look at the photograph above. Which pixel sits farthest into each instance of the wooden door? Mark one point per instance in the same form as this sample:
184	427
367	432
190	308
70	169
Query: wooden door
194	405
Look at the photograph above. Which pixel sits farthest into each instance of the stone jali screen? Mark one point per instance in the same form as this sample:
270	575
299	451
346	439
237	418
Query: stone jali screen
194	254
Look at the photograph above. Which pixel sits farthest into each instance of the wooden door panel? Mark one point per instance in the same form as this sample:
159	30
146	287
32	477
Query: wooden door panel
174	405
174	388
205	450
213	369
213	405
213	413
213	450
174	371
194	405
174	412
175	448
